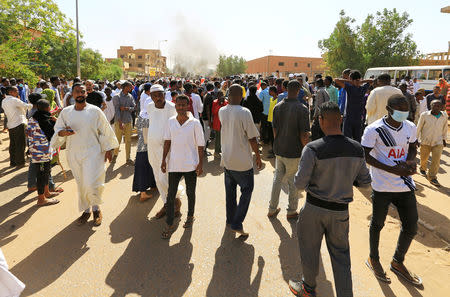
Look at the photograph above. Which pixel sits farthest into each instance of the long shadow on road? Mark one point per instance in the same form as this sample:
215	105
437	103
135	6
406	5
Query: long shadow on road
48	262
149	266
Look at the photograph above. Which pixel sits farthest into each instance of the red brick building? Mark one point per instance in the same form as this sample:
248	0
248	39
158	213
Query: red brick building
285	65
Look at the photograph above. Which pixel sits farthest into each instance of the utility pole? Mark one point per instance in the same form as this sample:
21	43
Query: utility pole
78	43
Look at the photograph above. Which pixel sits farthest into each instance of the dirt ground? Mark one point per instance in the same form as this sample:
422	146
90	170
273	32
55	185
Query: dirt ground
125	256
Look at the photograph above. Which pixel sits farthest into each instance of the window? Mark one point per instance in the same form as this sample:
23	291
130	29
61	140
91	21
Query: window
401	74
434	74
295	64
280	63
419	74
309	65
447	74
139	65
122	56
139	57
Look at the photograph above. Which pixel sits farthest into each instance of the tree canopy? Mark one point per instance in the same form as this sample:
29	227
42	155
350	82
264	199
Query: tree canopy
38	40
381	40
231	65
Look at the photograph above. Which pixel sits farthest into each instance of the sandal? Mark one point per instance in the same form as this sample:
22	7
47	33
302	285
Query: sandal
51	201
408	276
52	195
167	233
57	190
381	275
189	222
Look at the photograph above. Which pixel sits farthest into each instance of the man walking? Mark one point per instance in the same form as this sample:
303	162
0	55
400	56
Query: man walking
90	142
291	131
390	150
159	112
432	135
15	110
238	138
123	120
184	139
329	192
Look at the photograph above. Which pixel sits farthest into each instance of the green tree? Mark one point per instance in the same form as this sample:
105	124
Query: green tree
111	70
14	62
231	65
341	48
380	41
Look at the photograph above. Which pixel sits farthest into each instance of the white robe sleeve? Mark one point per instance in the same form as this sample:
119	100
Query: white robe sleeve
106	136
57	140
9	284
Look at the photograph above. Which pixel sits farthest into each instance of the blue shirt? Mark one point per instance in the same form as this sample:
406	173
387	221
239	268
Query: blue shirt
265	99
281	97
355	101
342	99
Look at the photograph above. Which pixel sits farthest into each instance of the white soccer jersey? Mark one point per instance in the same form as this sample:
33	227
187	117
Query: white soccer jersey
389	146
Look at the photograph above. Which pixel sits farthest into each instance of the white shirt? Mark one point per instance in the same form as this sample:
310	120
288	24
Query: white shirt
416	87
377	101
15	110
158	120
197	105
389	146
237	129
185	140
144	100
109	110
421	107
57	96
168	96
432	130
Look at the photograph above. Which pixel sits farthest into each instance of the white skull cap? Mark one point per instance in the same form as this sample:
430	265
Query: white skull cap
156	88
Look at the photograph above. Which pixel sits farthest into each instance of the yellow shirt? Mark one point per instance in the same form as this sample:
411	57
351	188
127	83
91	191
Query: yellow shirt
273	102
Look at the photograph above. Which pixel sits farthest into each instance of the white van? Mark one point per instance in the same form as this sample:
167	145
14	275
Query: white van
427	76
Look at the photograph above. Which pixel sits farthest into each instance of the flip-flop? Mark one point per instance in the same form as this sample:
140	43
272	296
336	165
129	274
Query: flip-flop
51	201
57	190
381	276
411	277
54	194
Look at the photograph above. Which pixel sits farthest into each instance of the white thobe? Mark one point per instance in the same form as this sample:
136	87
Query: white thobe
10	285
158	123
85	150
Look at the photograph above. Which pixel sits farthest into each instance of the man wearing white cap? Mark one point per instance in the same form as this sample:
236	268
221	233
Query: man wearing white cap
159	112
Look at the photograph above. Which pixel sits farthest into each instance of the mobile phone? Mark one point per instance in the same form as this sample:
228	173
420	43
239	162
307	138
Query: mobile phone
69	130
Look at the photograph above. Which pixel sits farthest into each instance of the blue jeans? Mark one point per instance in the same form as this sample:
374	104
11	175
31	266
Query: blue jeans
353	128
236	212
32	176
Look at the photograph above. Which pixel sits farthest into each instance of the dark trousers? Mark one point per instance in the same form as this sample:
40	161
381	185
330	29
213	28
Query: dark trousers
266	130
17	145
42	176
236	212
190	178
32	176
353	129
407	210
313	224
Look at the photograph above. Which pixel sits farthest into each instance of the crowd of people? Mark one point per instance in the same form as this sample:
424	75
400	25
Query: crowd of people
313	129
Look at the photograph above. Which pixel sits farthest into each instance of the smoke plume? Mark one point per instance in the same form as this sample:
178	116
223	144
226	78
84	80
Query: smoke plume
193	50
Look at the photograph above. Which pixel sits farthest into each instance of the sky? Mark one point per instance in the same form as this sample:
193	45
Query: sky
251	29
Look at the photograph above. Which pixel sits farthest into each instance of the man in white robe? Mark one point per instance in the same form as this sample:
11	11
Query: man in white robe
159	112
90	142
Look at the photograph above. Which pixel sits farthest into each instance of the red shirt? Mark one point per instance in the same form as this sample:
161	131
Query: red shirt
215	113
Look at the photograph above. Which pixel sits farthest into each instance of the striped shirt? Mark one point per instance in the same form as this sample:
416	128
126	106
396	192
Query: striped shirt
389	146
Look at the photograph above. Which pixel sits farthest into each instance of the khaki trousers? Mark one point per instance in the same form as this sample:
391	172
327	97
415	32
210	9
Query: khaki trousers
436	152
126	133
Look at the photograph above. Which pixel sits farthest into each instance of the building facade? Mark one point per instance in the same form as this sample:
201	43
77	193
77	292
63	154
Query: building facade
144	62
286	65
